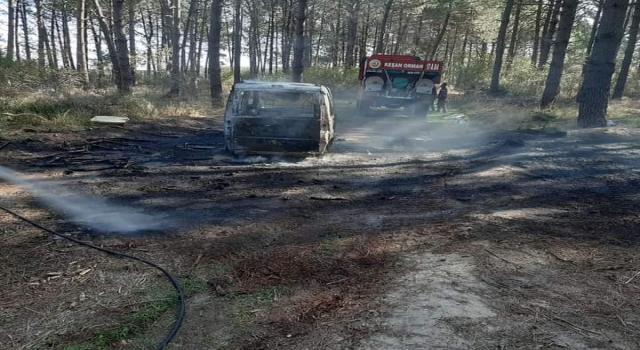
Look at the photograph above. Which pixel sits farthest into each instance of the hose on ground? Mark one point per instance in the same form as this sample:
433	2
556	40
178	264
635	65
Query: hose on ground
176	284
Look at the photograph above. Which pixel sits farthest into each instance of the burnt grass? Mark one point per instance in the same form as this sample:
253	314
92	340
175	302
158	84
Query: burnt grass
331	231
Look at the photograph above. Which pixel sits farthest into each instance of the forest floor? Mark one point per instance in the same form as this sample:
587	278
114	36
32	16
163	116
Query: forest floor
447	234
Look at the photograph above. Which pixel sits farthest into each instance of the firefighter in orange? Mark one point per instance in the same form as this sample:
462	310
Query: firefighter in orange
442	98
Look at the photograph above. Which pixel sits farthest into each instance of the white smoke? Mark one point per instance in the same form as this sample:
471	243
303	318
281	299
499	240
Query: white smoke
94	213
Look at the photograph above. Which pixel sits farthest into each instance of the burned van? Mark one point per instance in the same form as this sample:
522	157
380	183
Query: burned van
279	118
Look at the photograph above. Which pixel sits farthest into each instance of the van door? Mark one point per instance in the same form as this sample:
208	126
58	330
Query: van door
227	124
328	101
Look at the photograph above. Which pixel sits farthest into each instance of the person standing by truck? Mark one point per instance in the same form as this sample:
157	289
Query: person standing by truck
442	98
432	99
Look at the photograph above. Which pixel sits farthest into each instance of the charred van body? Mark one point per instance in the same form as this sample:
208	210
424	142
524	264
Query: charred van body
279	118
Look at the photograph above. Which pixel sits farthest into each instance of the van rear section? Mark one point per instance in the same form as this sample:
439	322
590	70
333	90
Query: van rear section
276	121
276	134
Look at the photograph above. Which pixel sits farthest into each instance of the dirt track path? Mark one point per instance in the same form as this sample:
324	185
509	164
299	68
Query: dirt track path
532	223
506	240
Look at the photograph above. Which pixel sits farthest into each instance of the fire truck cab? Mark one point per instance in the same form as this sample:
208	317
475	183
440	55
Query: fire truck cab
396	81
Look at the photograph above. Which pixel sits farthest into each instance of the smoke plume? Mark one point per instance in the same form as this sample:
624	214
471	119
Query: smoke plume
94	213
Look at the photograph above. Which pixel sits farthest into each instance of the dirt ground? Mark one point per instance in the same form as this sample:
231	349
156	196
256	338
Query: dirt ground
408	235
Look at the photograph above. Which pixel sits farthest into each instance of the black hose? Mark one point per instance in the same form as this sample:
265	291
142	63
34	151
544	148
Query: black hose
181	310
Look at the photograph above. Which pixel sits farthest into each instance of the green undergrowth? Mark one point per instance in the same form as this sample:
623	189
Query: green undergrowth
161	300
509	113
246	305
73	111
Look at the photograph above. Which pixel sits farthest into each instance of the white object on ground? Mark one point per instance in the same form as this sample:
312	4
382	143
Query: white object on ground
108	119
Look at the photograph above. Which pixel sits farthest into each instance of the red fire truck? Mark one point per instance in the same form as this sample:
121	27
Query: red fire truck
395	81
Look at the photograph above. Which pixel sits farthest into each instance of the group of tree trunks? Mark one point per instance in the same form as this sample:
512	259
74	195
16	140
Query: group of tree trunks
293	34
610	22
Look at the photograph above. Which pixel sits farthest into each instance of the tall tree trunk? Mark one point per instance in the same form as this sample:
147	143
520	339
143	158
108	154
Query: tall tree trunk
148	37
502	35
514	35
449	59
66	36
465	41
443	30
253	41
62	40
50	62
547	20
593	97
594	28
163	33
54	49
265	56
592	37
176	71
215	81
343	40
63	51
383	27
190	64
417	36
484	47
132	39
159	25
230	40
16	31
335	48
547	41
86	36
310	28
627	19
319	40
111	46
81	42
97	39
275	66
192	20
41	33
167	34
402	34
288	37
536	33
298	51
122	47
352	32
395	46
552	87
204	29
237	41
25	30
447	48
11	35
204	33
628	54
272	34
365	33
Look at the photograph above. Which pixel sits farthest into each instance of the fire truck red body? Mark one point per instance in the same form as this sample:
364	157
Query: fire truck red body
395	81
